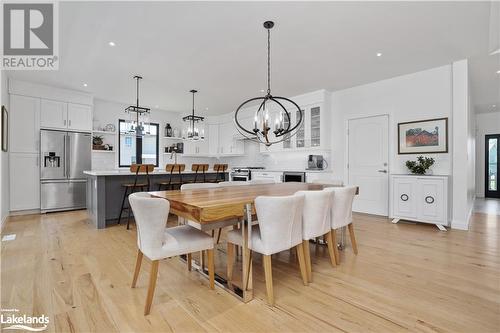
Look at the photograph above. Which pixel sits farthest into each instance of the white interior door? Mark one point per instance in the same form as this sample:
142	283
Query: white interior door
368	154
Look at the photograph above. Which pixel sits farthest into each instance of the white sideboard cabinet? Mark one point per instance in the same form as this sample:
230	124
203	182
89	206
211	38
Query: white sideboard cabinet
420	198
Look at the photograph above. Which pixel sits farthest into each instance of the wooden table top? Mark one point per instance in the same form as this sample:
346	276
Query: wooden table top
222	203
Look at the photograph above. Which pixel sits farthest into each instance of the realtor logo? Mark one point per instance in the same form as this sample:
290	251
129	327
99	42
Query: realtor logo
29	36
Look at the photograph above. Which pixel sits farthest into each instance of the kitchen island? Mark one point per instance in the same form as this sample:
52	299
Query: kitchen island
105	191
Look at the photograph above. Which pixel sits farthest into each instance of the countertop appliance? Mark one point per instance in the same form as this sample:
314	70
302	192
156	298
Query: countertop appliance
293	176
242	173
63	158
315	162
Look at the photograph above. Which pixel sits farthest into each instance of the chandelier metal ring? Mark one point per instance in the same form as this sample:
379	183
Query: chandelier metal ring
262	131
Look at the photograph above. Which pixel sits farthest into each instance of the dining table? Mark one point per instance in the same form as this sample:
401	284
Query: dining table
210	206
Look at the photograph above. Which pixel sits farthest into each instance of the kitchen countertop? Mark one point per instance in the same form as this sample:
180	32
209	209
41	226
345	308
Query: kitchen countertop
291	170
128	173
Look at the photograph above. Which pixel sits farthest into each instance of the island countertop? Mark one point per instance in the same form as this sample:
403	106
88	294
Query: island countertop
126	172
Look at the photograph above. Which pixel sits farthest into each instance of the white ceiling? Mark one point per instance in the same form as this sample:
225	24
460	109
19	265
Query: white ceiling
219	48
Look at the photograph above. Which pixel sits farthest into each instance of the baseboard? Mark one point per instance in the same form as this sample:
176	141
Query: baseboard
25	212
459	225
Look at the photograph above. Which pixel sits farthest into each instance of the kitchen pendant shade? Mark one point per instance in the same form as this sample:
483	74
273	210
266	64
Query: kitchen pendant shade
138	122
272	120
194	129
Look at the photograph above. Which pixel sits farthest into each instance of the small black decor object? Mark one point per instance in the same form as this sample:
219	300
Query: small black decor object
420	166
97	140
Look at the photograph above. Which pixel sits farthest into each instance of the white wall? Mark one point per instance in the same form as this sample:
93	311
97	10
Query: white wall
486	123
421	95
463	159
107	112
4	158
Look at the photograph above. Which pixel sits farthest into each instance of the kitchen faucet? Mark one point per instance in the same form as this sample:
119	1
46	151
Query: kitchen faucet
173	154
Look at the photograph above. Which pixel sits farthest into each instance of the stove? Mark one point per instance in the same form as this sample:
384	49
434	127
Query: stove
242	173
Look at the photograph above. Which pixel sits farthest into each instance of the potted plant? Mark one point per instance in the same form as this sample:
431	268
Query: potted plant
97	142
420	166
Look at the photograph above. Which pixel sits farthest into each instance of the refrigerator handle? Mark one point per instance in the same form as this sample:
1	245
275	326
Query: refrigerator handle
68	147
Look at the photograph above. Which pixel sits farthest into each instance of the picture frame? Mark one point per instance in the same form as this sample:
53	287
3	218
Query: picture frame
429	136
5	129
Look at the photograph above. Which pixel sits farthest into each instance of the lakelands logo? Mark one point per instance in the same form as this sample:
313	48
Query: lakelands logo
30	36
15	321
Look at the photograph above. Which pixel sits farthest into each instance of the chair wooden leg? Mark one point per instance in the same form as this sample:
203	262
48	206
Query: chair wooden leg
335	248
268	272
202	260
353	239
152	285
211	273
230	262
248	265
331	248
137	267
302	263
307	255
188	259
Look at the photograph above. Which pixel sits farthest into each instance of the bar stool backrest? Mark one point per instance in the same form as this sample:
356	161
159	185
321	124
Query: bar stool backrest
173	168
142	169
220	167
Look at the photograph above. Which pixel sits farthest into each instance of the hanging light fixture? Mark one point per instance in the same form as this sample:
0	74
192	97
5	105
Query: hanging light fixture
194	129
272	121
138	122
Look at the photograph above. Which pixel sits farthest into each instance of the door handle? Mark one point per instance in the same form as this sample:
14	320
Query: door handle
383	171
67	155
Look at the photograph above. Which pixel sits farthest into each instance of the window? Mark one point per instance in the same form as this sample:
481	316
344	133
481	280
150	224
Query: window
140	150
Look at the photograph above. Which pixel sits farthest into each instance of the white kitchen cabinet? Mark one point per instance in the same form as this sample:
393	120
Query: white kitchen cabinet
196	148
53	114
230	142
79	117
420	198
24	124
312	177
213	139
24	181
65	116
276	176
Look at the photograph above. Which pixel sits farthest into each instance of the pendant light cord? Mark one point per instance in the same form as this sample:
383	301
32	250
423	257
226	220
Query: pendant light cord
269	61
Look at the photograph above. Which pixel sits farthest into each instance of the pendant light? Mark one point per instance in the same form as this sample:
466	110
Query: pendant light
138	122
194	129
272	122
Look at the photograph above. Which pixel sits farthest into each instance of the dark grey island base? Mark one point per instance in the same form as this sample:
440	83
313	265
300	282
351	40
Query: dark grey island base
105	192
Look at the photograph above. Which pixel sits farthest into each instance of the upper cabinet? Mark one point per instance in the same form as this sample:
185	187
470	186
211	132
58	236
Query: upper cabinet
313	133
66	116
54	114
79	117
230	141
24	132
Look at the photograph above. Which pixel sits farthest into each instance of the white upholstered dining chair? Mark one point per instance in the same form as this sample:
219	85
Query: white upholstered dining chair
157	242
279	229
316	223
341	214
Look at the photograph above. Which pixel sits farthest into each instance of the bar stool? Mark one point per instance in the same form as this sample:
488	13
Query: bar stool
200	168
219	169
130	188
174	169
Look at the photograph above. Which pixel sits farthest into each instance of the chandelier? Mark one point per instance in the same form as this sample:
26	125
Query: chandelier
272	122
138	122
194	129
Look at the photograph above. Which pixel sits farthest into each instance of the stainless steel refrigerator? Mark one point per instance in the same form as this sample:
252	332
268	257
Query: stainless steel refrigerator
64	156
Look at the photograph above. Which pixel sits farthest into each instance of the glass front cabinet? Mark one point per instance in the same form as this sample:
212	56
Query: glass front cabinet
313	133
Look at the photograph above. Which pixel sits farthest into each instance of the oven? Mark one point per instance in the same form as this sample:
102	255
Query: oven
289	176
239	175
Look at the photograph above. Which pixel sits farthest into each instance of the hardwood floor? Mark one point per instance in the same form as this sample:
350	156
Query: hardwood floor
406	277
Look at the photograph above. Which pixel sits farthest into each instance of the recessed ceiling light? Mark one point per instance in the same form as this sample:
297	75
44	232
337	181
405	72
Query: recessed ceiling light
111	44
498	72
494	106
157	106
85	84
262	90
206	109
379	54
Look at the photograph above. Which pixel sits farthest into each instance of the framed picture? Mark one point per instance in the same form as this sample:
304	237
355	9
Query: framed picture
5	129
423	136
